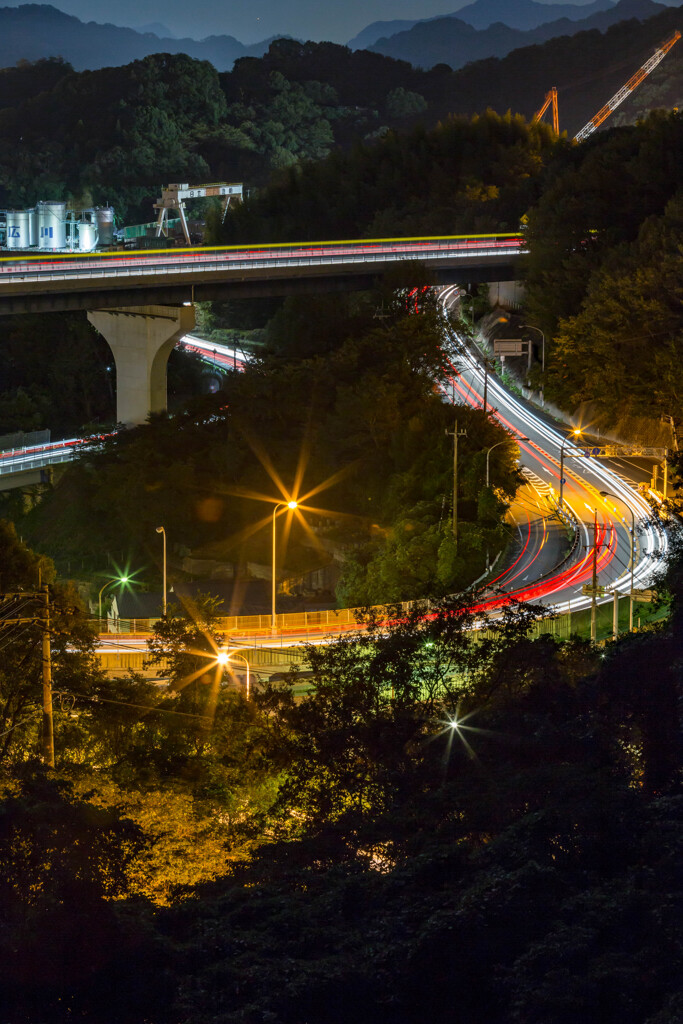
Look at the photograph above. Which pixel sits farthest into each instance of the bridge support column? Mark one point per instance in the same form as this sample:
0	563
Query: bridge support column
141	339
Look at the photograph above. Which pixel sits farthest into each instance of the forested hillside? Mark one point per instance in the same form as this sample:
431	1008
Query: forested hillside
465	175
603	276
115	135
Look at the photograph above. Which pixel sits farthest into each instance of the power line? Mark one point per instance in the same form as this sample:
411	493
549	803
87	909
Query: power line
128	704
17	724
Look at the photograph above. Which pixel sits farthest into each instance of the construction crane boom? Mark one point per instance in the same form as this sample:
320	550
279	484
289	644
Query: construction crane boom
550	97
626	90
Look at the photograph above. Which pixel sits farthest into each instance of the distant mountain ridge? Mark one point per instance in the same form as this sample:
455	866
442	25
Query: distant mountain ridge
33	31
156	28
523	14
454	42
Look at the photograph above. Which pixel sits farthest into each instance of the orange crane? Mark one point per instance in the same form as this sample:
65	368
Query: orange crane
626	90
550	97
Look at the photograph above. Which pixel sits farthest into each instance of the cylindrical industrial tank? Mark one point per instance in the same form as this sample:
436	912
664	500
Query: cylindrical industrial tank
32	227
17	234
51	225
104	217
87	236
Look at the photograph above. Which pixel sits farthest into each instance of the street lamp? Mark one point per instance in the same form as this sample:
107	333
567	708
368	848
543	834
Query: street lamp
161	530
489	450
281	504
532	328
607	494
116	579
574	434
224	657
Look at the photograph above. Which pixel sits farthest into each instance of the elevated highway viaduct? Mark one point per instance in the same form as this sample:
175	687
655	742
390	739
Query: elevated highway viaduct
142	301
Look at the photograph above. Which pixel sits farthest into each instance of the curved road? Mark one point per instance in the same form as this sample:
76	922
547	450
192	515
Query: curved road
533	571
531	575
539	569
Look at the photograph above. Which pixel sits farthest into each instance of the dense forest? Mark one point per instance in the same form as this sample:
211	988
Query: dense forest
603	274
473	826
117	134
476	174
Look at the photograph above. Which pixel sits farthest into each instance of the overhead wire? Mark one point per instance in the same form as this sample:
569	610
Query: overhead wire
128	704
22	722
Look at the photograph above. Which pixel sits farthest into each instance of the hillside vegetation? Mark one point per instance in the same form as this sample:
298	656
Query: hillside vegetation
473	827
115	135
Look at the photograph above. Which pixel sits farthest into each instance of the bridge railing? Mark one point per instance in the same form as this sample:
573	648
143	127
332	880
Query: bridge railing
313	623
260	625
20	459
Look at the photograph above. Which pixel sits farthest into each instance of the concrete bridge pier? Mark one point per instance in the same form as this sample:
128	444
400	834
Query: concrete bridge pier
141	339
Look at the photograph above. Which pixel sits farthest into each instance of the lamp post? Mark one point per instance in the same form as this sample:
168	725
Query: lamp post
489	450
224	658
161	530
532	328
607	494
487	366
281	504
116	579
574	434
488	453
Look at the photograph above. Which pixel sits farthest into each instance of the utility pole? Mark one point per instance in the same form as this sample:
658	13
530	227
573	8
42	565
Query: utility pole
455	435
632	562
48	726
40	618
594	595
487	366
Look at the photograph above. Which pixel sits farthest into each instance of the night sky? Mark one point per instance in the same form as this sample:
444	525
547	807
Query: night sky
253	20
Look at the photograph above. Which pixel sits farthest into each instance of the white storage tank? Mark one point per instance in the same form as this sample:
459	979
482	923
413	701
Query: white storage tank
104	218
87	236
32	227
17	232
51	225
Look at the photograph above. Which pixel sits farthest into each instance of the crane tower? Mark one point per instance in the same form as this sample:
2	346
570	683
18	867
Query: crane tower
550	97
626	90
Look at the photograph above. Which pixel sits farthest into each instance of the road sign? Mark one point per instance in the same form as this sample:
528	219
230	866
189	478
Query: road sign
613	451
587	590
510	347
